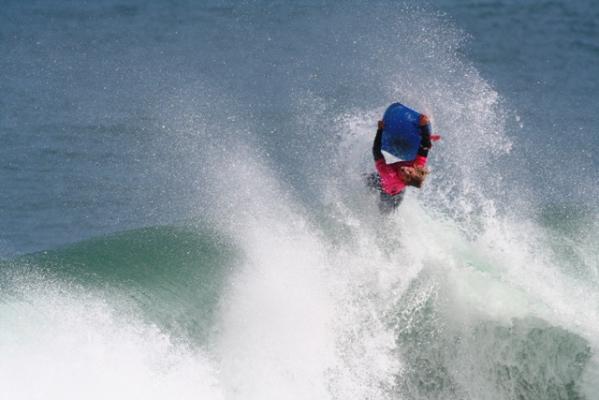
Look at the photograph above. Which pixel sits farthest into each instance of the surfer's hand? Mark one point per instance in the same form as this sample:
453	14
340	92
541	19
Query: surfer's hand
381	125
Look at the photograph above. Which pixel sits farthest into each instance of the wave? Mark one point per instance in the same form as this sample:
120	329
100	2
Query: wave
172	275
292	308
290	284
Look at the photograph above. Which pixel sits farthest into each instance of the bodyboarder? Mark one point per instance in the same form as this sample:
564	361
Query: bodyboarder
392	179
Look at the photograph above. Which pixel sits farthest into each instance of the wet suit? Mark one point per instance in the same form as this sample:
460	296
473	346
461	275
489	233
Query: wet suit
389	180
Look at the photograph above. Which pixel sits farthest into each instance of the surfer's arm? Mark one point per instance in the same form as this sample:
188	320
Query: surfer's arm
376	146
425	137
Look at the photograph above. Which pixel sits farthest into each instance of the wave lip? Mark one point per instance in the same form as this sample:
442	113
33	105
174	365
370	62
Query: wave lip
172	275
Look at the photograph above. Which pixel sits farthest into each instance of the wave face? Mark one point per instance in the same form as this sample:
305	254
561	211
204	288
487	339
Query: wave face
225	144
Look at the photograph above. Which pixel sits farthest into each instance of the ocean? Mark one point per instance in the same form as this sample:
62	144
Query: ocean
183	211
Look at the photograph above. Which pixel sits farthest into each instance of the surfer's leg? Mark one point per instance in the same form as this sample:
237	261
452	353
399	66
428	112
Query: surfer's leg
388	202
398	198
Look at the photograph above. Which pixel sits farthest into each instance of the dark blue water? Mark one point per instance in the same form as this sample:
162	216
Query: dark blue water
540	57
88	89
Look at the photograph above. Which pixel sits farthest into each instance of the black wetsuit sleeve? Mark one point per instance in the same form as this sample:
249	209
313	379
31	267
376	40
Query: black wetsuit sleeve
425	140
376	146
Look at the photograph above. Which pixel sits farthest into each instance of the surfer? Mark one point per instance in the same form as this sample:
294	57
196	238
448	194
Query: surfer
392	179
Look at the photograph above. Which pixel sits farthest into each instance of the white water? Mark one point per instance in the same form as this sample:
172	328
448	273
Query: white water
59	341
314	310
317	305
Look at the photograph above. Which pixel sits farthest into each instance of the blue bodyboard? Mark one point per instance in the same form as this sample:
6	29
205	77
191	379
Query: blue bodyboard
401	136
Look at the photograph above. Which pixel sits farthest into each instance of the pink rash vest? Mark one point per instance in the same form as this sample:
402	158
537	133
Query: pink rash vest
391	176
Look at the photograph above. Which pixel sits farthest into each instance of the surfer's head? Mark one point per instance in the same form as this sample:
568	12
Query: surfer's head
414	176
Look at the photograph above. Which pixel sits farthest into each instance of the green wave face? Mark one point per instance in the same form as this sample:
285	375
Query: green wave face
173	275
448	357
